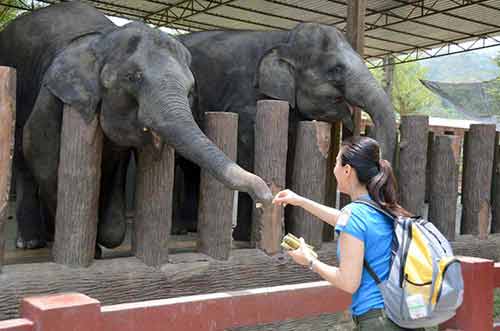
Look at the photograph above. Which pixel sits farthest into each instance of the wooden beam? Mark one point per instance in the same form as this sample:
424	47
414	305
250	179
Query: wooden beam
7	128
79	178
308	178
479	165
495	189
215	212
412	162
153	201
271	146
444	186
428	175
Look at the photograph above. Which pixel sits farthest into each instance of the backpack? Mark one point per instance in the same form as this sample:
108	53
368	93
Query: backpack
425	285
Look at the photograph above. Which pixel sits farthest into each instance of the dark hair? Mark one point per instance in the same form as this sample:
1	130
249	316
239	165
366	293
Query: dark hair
363	154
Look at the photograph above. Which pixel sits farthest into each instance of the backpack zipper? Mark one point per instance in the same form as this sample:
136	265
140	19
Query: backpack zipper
415	284
442	280
408	225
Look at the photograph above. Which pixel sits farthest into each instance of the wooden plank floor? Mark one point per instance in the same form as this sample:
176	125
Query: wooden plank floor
13	255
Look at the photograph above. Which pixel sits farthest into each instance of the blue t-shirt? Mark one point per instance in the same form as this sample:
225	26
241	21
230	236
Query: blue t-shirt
376	231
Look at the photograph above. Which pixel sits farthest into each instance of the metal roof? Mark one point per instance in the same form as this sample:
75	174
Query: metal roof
417	29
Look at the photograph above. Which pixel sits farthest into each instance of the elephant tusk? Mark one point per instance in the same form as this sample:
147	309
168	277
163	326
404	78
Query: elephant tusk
145	129
157	140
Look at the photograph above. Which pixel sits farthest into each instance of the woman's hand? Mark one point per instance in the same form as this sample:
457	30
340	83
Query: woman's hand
286	197
302	255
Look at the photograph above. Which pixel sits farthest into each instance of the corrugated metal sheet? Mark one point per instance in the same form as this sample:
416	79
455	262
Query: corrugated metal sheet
391	25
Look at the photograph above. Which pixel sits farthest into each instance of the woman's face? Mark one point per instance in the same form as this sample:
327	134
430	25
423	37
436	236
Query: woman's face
341	173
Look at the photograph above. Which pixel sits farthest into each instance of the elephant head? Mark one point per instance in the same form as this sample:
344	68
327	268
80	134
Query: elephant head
139	78
320	74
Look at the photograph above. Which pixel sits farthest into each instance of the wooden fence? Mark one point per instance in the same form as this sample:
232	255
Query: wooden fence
153	273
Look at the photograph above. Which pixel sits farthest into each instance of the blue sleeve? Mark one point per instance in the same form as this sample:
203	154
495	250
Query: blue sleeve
352	222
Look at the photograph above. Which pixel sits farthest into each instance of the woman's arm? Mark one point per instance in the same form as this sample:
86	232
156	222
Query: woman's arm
347	276
325	213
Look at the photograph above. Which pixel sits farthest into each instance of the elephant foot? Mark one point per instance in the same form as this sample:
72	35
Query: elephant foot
179	229
181	226
30	244
98	252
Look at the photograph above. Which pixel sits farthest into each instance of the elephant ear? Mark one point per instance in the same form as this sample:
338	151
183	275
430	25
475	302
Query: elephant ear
73	77
276	75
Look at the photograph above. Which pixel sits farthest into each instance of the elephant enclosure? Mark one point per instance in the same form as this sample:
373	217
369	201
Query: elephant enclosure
154	264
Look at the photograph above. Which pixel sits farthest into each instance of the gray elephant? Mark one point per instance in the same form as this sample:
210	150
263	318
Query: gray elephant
135	78
312	66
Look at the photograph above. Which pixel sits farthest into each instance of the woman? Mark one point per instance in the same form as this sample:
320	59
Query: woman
364	233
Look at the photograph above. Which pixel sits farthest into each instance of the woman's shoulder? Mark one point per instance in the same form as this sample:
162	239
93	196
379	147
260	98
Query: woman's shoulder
362	212
356	208
352	213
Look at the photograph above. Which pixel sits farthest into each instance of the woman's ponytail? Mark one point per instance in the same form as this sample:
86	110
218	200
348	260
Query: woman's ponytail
363	154
383	189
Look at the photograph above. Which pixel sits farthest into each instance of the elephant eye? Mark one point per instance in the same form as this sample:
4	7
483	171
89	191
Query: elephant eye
335	73
134	76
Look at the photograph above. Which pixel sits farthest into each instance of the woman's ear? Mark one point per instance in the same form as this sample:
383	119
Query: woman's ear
348	169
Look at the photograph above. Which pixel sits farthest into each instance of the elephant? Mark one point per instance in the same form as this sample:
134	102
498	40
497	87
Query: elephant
311	66
134	79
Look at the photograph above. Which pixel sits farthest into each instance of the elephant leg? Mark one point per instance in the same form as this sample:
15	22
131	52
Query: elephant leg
243	229
30	232
112	225
178	197
187	185
38	181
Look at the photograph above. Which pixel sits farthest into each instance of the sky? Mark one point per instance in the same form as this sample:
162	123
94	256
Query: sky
121	21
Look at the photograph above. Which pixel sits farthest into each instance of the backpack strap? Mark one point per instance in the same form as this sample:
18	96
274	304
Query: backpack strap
375	206
371	272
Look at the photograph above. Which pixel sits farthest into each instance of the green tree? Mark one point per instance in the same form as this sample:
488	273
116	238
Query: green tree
8	13
408	94
493	89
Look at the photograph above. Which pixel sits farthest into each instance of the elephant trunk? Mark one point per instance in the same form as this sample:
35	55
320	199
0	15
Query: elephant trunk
168	114
373	99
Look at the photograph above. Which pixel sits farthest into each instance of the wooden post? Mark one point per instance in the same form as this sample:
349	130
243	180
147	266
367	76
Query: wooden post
331	182
412	162
79	176
7	127
271	146
464	167
444	186
216	200
355	30
153	203
308	178
495	189
476	195
428	175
